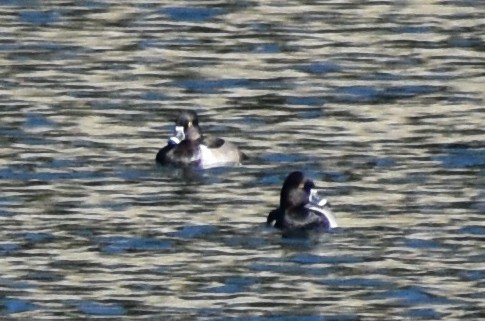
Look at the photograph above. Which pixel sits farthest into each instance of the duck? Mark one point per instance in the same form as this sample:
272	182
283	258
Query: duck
209	151
301	210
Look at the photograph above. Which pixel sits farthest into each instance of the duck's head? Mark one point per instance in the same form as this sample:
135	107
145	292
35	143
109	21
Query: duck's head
185	120
296	190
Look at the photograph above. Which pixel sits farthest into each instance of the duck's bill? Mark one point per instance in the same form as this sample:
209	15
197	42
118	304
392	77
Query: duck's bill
315	199
178	135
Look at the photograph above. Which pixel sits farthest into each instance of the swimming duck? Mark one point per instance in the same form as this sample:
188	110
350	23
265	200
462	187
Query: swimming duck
211	152
300	208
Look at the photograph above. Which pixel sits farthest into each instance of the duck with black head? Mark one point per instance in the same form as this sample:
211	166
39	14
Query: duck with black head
212	152
300	210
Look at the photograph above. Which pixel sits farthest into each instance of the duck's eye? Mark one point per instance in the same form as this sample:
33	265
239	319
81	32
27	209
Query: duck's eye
301	186
189	124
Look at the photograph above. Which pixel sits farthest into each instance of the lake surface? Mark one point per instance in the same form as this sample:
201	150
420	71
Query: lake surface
380	102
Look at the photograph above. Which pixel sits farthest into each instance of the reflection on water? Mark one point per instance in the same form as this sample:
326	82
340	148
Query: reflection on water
381	103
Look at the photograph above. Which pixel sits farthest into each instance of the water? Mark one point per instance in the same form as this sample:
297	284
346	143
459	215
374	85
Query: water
381	103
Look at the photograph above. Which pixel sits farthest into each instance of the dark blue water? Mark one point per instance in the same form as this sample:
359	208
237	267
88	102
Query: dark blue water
380	103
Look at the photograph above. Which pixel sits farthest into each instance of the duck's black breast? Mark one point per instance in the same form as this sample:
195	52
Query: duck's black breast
295	219
161	157
186	153
303	219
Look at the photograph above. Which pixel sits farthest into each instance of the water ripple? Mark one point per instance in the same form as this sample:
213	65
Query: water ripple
100	309
120	244
384	113
17	305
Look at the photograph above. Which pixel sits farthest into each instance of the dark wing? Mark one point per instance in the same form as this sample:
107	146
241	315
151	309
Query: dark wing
225	147
213	142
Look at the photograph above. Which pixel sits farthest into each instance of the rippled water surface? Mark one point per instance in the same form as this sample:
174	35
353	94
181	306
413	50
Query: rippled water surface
380	102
